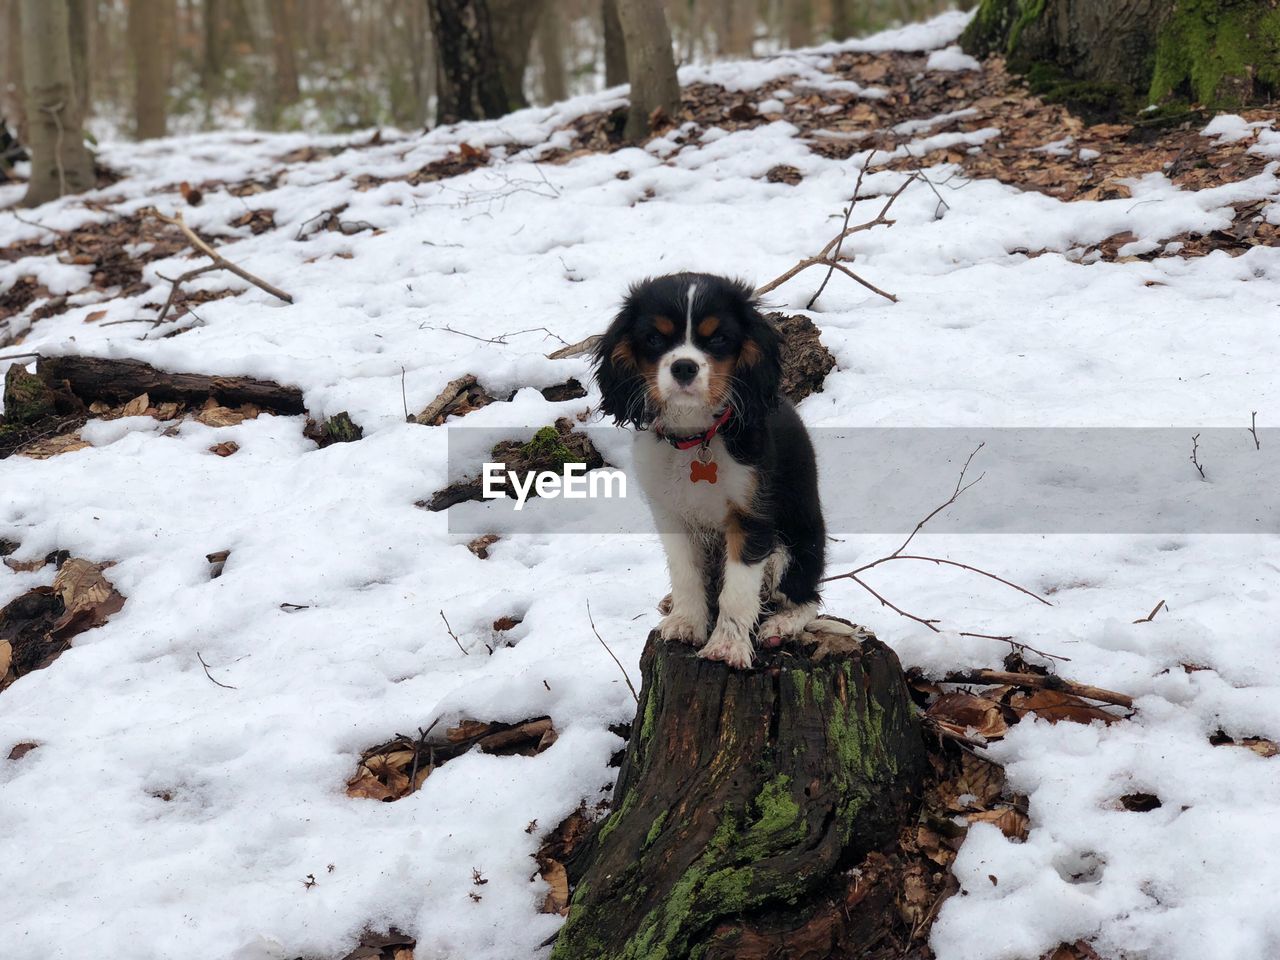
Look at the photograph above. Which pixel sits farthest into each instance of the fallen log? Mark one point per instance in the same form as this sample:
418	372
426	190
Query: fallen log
744	799
117	381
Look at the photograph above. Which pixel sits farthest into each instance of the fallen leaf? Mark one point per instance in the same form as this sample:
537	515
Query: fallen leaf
225	449
6	656
24	566
54	446
1263	748
212	414
1014	824
20	750
557	898
136	407
962	712
467	730
1053	706
88	597
95	316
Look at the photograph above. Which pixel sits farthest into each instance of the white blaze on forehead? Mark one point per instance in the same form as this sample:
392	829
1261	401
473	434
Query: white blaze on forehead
688	317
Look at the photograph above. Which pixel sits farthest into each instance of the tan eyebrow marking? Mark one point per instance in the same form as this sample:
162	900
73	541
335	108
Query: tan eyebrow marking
665	325
708	326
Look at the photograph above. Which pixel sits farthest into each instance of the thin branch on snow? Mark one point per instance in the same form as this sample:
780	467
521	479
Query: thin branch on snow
899	554
1253	429
454	635
829	255
1194	458
210	675
625	676
1038	682
1152	615
219	263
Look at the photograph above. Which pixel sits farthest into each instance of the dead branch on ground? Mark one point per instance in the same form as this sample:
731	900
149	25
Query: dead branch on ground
1035	680
450	393
900	554
625	676
829	255
219	263
1195	450
576	349
465	653
1253	429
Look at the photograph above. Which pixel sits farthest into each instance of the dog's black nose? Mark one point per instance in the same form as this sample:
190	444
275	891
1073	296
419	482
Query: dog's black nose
684	371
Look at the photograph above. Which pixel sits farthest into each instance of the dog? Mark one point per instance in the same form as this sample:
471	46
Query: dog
722	457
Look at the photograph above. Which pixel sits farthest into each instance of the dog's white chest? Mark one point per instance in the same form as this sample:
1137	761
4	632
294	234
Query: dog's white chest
664	473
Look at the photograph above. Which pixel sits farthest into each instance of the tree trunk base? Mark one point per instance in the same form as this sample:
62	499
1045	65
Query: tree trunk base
744	799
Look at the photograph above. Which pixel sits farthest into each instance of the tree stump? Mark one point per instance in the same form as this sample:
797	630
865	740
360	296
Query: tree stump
744	799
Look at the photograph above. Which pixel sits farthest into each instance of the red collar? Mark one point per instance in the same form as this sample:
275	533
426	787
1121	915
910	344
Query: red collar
698	439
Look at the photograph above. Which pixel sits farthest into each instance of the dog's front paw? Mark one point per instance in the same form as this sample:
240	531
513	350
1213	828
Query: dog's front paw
683	628
730	644
786	625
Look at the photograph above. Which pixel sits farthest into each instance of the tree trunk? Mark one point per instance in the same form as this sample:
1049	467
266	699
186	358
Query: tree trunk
60	164
555	84
615	48
651	68
514	23
13	102
744	799
469	78
282	44
1220	53
150	87
213	61
734	27
843	21
799	18
78	22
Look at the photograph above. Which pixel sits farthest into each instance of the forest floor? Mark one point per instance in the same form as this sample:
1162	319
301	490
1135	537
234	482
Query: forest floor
229	629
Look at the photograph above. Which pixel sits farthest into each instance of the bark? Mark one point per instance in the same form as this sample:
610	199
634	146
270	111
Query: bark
651	67
1220	53
213	61
78	22
151	83
13	101
60	164
118	381
743	800
555	84
514	24
799	22
282	46
734	27
843	19
615	47
469	78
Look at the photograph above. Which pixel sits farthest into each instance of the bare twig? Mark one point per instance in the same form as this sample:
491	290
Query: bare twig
408	418
1049	682
501	339
41	226
55	112
898	554
219	261
625	677
17	356
454	635
828	256
1195	449
210	675
848	212
173	291
1152	615
1253	429
1016	645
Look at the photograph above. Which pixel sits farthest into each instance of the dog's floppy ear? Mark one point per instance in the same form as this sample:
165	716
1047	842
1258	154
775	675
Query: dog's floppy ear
759	369
622	387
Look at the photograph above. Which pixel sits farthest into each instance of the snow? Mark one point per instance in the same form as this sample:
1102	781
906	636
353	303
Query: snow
985	335
951	58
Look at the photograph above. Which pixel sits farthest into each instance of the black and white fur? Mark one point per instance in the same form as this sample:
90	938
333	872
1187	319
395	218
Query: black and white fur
752	543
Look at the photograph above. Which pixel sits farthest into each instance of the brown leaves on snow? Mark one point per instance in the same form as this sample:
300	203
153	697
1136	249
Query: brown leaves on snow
38	626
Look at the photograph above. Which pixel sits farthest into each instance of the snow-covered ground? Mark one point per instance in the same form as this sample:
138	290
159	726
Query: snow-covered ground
94	863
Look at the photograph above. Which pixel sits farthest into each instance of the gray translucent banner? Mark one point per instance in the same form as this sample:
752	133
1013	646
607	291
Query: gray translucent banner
884	480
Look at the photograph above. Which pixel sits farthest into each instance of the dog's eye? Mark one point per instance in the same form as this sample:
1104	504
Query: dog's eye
654	339
718	340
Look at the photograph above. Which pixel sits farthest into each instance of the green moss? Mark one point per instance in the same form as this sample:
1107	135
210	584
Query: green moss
656	829
27	398
340	428
1216	52
776	824
616	817
1028	13
548	445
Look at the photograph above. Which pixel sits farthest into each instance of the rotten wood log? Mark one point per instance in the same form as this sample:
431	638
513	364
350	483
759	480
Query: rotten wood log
118	381
744	798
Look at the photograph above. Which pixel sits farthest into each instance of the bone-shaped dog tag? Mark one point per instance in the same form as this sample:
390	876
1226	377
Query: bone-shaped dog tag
702	471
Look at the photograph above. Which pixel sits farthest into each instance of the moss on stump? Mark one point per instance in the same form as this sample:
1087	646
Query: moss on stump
742	798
